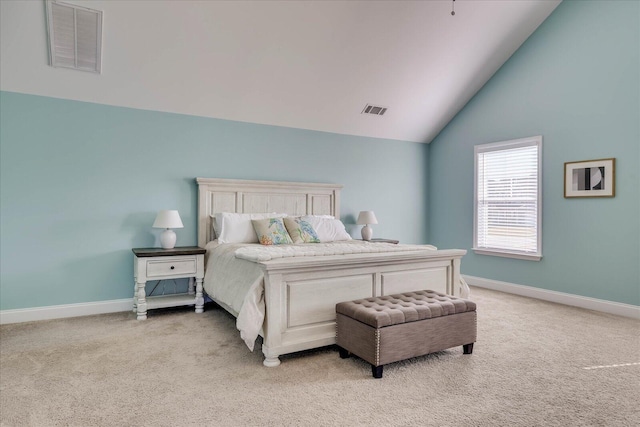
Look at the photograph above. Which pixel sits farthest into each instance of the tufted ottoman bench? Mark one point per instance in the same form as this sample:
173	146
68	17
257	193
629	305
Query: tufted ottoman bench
391	328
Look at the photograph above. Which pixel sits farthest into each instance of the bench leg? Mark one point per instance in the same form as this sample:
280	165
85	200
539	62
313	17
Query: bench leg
467	348
344	354
377	371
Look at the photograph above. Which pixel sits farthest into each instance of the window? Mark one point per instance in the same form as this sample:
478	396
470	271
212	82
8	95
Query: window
507	200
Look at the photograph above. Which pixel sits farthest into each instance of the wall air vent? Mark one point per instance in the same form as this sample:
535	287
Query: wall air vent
75	36
374	109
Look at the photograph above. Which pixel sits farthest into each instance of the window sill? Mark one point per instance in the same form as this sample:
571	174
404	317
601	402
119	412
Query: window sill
505	254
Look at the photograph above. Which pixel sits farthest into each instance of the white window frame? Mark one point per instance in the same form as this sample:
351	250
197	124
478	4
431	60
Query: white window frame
504	251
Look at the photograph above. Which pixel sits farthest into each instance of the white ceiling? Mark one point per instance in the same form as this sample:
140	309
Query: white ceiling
302	64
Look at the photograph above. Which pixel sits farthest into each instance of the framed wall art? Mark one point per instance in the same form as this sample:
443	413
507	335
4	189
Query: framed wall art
590	178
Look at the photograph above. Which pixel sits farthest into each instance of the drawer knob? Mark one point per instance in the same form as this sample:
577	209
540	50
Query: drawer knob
172	267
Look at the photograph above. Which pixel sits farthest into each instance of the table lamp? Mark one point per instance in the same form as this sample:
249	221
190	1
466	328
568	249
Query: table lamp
366	218
168	220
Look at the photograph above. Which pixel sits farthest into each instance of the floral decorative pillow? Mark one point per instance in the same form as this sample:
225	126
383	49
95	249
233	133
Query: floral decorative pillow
271	231
301	231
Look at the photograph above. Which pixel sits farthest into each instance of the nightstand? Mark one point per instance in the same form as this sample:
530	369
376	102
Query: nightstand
395	242
161	264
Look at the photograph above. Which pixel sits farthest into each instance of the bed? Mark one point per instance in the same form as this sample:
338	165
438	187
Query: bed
288	297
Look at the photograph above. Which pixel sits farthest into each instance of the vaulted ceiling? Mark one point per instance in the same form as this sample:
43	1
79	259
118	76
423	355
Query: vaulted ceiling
303	64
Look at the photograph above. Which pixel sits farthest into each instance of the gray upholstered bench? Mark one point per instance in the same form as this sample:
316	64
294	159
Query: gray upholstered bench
391	328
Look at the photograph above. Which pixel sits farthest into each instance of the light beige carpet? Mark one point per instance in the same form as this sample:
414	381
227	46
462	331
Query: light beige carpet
528	368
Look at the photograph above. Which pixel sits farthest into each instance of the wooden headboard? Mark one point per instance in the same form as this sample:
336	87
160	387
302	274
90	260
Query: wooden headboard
243	196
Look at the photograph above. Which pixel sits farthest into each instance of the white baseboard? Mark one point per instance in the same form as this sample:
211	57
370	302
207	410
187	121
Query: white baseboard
66	310
618	308
114	306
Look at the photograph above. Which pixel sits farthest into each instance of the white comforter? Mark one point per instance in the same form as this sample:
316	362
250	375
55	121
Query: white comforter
259	253
239	285
234	278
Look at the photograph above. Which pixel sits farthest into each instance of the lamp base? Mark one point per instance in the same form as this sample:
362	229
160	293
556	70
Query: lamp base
367	232
168	239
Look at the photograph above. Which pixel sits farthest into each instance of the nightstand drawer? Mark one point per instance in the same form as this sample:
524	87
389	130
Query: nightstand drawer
171	268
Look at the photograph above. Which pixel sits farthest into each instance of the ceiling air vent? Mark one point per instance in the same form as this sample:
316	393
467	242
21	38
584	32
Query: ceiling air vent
75	36
374	109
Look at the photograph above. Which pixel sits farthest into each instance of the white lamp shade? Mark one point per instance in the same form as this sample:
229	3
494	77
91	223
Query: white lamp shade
366	217
168	219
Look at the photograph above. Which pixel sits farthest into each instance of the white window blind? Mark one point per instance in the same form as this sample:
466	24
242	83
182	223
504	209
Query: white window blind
75	36
507	220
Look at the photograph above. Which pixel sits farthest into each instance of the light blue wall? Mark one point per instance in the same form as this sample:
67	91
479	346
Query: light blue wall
81	184
576	82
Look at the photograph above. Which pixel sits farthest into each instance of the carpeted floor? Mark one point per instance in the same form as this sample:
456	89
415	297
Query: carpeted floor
529	368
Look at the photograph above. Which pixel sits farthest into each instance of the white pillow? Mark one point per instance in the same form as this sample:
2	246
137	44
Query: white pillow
237	227
327	229
215	229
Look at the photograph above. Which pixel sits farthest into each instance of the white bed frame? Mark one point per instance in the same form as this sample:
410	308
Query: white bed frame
301	293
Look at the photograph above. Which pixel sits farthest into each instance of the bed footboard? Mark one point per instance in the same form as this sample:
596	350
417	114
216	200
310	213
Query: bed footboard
300	297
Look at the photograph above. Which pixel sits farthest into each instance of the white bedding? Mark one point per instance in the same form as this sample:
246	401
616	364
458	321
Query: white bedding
258	253
239	285
234	278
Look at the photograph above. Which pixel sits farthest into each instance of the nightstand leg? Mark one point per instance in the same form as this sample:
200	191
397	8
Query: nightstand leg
191	287
135	296
199	296
142	301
